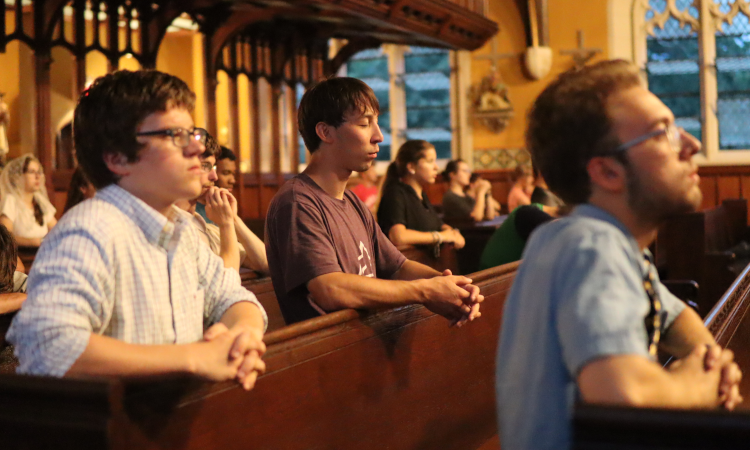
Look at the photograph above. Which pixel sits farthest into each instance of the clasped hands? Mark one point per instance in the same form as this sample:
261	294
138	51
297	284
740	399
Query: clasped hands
233	353
708	366
221	206
729	384
455	298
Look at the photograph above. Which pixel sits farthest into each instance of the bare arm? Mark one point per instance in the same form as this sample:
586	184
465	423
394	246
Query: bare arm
11	302
255	250
105	356
481	203
22	241
634	380
400	235
412	270
443	294
685	334
221	211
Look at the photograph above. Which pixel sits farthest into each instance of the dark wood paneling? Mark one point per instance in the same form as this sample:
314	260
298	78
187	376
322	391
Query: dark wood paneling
728	187
710	194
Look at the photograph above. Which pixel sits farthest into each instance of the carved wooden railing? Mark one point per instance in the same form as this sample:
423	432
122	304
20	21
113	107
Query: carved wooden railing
476	6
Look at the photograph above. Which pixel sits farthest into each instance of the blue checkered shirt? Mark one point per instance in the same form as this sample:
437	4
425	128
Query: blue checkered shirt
116	267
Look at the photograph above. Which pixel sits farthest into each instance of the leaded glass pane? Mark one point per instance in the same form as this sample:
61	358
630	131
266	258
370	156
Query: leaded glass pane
733	79
302	149
672	66
428	101
371	66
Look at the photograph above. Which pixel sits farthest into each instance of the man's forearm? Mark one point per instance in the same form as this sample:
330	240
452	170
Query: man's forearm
339	290
243	313
109	357
412	270
686	332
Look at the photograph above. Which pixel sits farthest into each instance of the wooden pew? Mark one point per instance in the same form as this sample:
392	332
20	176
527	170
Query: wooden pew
424	254
27	255
476	234
397	379
263	290
597	426
696	246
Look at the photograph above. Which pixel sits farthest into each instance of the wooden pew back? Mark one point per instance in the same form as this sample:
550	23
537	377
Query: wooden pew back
425	254
695	246
397	379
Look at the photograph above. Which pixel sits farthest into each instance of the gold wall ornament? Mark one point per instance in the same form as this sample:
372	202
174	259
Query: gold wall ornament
660	18
491	105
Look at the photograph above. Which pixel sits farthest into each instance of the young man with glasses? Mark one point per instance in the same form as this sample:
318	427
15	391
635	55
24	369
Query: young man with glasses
587	313
122	286
225	228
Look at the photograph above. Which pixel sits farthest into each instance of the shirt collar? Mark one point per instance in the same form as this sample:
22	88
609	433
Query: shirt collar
594	212
158	229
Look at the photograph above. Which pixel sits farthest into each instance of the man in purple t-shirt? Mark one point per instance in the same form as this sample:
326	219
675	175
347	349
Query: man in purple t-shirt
325	249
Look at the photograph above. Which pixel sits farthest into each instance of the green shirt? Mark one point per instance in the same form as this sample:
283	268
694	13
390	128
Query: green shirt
506	244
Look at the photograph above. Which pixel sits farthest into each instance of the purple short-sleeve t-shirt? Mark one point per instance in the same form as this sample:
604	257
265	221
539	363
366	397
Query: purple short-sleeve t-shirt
309	233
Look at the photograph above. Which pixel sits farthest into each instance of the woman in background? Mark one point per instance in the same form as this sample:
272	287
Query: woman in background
457	204
25	209
80	189
523	186
405	214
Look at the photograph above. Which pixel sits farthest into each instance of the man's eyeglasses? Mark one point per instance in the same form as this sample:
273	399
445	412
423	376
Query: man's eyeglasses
207	167
180	136
674	136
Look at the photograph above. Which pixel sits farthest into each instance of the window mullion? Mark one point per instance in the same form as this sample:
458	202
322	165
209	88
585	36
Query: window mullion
709	88
397	96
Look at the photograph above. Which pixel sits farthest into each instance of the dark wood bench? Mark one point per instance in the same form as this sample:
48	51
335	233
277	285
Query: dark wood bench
398	379
697	246
597	427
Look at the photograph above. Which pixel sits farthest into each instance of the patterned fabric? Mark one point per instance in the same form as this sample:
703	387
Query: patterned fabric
116	267
654	319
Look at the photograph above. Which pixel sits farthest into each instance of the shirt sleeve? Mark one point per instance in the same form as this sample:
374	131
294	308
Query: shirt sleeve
302	243
455	206
392	209
223	286
672	305
600	302
70	292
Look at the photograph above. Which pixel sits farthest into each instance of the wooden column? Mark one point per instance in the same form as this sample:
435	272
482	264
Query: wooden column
234	110
210	82
42	62
295	127
80	35
276	129
255	53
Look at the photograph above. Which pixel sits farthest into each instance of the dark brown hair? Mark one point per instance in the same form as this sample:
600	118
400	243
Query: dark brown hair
410	152
451	168
212	148
109	112
38	214
8	260
569	125
328	102
75	195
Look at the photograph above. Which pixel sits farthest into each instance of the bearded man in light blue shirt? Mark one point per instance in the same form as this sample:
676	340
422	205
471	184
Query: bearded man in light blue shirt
587	312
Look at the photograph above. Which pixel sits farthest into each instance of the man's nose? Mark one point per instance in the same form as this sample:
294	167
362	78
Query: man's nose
212	176
378	136
690	145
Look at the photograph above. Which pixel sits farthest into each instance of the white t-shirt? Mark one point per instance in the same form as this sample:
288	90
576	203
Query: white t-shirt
24	223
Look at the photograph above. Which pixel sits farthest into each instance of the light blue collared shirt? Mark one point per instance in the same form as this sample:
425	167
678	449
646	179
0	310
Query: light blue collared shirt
578	296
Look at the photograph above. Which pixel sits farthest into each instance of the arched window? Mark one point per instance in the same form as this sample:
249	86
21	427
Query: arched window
696	57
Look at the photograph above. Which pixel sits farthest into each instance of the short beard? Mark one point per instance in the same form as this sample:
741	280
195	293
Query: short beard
648	205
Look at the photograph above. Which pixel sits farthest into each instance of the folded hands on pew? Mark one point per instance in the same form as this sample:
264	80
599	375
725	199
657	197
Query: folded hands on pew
238	354
453	297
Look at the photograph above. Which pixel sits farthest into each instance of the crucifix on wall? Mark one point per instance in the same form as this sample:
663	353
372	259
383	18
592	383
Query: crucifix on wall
581	55
494	57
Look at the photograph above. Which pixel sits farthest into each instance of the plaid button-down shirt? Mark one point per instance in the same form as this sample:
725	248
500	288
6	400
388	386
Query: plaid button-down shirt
116	267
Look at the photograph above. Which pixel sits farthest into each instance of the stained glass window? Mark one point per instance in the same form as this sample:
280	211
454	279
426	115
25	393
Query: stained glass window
371	66
672	66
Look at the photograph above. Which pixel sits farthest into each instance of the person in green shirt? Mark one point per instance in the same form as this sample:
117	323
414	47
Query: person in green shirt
508	241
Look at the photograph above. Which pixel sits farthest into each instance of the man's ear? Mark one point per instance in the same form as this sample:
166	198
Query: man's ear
607	173
324	132
117	163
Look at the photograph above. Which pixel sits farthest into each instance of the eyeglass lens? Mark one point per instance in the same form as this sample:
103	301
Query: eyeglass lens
182	137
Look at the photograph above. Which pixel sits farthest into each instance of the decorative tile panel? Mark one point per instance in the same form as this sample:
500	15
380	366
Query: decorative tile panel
500	158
